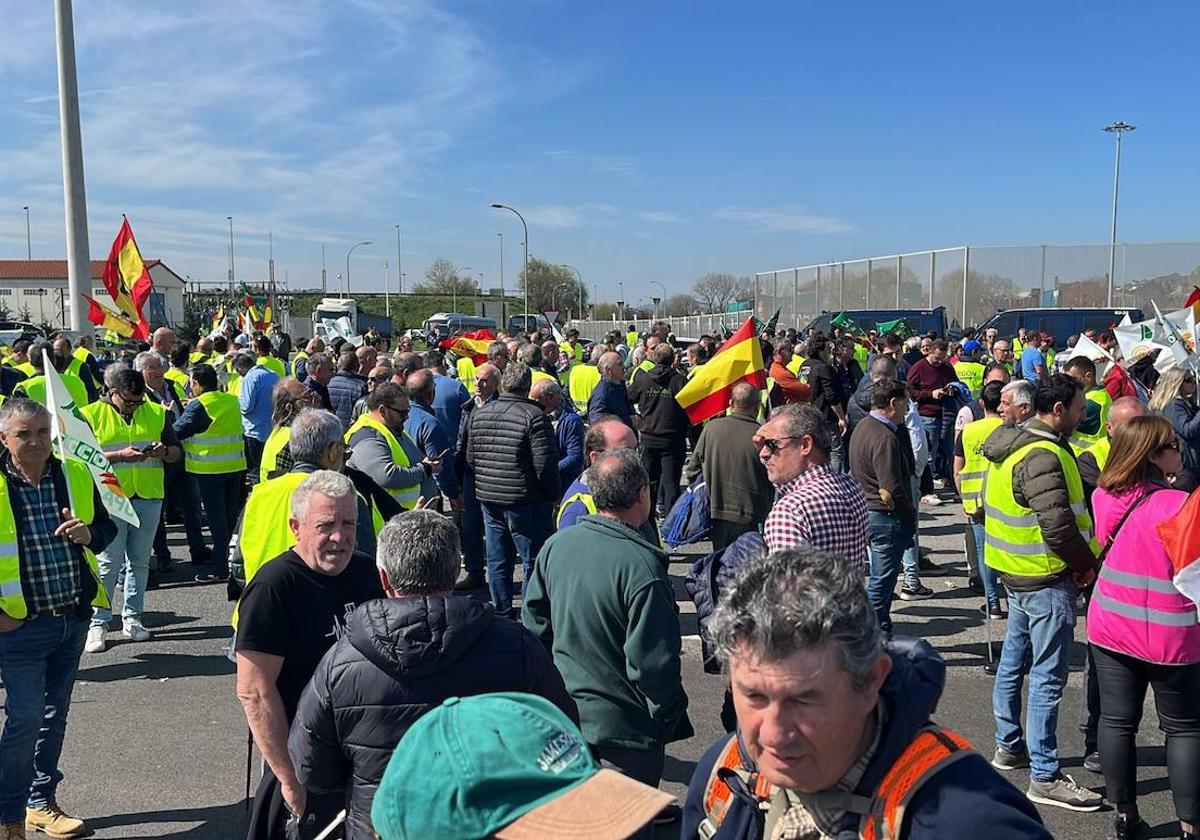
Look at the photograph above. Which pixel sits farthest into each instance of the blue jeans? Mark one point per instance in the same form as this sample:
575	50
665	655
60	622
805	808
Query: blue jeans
472	527
941	446
888	538
991	583
509	532
38	663
129	551
1038	640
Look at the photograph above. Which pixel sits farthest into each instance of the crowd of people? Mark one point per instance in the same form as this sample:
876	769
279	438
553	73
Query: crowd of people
367	507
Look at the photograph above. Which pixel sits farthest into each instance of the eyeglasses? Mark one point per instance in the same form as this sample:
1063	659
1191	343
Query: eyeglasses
773	445
1174	445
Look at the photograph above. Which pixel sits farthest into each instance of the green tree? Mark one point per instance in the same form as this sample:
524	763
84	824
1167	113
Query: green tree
553	287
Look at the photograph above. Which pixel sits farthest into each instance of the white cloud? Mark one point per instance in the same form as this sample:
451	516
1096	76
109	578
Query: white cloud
660	217
553	216
604	164
789	218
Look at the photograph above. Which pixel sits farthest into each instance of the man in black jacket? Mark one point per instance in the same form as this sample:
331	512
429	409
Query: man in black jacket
402	656
664	424
513	451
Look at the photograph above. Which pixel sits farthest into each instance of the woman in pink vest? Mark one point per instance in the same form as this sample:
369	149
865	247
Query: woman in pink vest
1142	631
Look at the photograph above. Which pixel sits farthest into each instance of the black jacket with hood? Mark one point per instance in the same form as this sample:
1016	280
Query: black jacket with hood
653	391
399	658
968	799
1039	484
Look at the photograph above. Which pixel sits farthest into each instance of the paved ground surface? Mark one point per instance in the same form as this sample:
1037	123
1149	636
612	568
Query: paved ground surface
156	745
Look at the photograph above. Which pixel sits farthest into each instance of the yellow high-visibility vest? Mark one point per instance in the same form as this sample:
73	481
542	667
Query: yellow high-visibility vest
35	388
405	496
585	498
141	478
466	373
794	364
631	339
583	380
1100	450
12	596
538	375
274	365
179	377
1081	442
975	465
1014	540
279	438
220	448
971	375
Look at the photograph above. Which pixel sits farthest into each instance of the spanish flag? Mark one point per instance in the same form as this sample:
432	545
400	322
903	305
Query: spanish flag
127	280
1180	537
471	345
739	360
107	319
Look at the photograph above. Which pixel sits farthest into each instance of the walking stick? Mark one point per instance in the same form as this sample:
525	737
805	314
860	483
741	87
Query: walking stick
249	759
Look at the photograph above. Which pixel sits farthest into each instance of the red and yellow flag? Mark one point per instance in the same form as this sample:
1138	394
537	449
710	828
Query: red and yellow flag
107	319
127	280
470	344
739	360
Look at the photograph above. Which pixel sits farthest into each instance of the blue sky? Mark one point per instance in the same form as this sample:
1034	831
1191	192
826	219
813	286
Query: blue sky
643	141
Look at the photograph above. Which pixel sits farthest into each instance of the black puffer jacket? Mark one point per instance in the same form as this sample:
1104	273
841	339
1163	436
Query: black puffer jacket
512	448
399	658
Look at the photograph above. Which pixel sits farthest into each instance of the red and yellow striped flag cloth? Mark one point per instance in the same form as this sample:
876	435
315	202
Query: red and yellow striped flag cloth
739	360
470	344
107	319
127	280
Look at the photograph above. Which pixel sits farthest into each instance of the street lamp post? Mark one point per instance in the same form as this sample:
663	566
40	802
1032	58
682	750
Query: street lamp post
503	299
387	288
1118	128
399	263
578	277
526	273
230	220
28	239
664	297
348	253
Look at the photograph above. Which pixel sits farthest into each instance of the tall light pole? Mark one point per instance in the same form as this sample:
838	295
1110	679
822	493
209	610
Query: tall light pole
348	253
28	239
578	277
664	297
526	273
387	287
621	302
230	220
323	285
1118	128
399	261
503	301
79	274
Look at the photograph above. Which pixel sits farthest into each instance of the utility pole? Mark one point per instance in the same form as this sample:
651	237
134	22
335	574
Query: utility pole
1117	128
79	268
323	286
28	238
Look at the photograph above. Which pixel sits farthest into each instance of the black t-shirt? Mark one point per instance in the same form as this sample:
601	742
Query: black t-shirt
289	610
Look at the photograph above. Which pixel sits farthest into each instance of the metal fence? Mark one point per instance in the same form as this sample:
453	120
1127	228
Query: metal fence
997	277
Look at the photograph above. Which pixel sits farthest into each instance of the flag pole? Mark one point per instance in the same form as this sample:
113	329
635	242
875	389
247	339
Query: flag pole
79	272
52	407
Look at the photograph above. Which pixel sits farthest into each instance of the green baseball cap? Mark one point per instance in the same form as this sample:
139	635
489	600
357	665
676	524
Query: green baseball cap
510	766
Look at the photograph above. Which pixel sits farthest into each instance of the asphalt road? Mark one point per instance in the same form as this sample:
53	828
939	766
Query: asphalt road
156	745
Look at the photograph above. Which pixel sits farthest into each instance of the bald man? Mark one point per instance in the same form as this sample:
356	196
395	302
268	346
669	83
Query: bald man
1092	460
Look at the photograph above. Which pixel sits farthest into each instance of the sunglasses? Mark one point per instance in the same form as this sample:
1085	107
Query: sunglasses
403	412
1172	445
773	445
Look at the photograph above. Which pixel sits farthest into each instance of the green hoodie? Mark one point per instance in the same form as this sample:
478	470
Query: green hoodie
601	601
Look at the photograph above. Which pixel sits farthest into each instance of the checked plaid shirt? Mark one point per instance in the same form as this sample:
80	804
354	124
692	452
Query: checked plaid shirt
49	564
821	508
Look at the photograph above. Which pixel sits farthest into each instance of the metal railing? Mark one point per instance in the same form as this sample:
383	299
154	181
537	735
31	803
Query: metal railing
689	326
997	277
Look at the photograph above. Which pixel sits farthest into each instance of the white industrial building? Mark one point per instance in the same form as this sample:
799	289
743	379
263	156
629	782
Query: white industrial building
37	287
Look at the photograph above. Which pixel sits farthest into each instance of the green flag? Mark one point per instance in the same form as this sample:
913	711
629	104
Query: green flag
847	323
900	327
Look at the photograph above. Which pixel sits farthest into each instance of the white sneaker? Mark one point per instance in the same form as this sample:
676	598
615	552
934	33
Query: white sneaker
931	499
95	640
132	629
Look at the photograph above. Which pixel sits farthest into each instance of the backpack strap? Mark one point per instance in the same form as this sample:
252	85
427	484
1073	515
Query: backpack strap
726	770
930	752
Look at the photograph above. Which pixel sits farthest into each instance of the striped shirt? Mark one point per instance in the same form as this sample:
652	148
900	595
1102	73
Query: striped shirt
823	509
49	565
